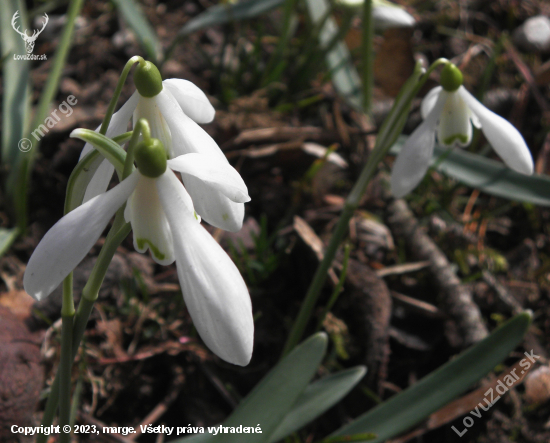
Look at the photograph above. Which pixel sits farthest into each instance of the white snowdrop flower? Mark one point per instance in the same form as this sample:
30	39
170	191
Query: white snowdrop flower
385	14
173	108
163	220
449	111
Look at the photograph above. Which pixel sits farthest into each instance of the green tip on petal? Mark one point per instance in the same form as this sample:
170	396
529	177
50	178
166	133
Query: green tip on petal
451	78
150	158
147	79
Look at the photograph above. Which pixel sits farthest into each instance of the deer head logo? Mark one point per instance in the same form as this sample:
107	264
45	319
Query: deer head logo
29	39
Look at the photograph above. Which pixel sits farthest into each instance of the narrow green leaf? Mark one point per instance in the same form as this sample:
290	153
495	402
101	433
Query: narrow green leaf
365	436
7	237
272	399
228	12
434	391
345	78
15	100
490	176
136	19
317	398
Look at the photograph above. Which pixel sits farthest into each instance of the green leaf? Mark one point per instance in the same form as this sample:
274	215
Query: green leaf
133	14
227	12
15	100
434	391
272	399
490	176
7	237
317	398
345	78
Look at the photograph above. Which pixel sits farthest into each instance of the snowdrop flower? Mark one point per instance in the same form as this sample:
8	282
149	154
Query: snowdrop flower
163	220
385	14
449	111
173	108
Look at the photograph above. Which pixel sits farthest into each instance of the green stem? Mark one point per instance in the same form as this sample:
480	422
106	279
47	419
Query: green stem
142	127
114	100
368	56
337	288
118	232
66	361
390	130
50	89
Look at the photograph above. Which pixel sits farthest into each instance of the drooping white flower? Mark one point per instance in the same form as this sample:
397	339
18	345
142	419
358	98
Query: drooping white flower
163	220
173	109
385	14
448	113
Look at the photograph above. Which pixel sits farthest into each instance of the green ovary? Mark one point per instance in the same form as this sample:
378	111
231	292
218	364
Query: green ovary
141	242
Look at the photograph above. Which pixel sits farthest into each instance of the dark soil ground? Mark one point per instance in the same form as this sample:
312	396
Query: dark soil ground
143	362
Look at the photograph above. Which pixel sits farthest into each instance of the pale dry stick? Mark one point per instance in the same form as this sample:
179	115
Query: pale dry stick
455	298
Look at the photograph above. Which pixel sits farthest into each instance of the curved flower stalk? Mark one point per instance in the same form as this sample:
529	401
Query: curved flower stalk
449	111
163	219
173	108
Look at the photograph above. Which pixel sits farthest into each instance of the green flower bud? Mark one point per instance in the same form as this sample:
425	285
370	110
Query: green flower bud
147	79
451	78
150	158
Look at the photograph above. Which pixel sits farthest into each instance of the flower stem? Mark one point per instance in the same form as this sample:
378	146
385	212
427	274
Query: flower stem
142	127
112	104
118	232
389	131
66	361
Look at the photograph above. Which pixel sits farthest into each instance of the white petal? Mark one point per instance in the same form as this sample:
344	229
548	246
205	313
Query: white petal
118	125
69	240
428	102
214	291
385	17
414	159
149	224
501	134
215	174
455	127
213	206
147	108
100	181
191	99
187	136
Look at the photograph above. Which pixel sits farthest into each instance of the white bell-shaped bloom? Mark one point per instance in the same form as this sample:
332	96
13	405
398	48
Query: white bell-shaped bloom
173	115
163	220
449	116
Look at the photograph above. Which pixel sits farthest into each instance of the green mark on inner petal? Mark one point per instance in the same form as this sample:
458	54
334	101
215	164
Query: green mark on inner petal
225	217
463	139
141	242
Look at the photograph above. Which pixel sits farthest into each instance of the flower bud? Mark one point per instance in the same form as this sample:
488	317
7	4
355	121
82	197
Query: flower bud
147	79
150	157
451	78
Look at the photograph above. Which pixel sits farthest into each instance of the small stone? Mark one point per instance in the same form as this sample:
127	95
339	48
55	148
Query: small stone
533	35
537	385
